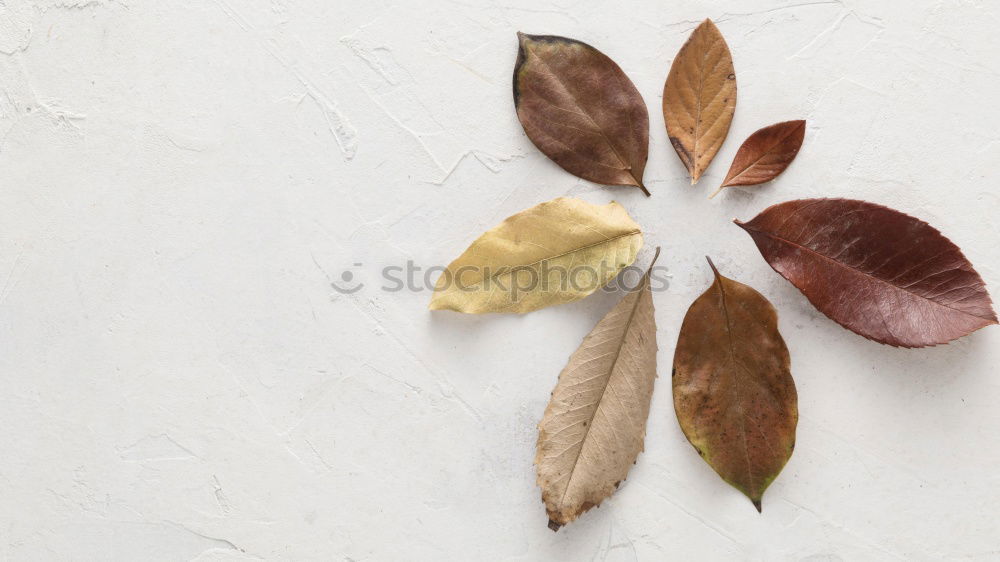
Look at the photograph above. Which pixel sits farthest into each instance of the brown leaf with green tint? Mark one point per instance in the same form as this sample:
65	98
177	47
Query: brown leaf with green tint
733	390
765	154
594	426
579	108
880	273
699	98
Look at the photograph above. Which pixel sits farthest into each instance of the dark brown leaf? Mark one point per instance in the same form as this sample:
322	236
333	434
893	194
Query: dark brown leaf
733	391
699	98
580	109
880	273
765	154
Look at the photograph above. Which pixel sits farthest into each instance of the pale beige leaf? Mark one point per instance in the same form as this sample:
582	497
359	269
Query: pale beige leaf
553	253
699	98
593	427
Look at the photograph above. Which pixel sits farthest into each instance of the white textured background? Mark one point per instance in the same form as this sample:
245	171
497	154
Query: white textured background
180	182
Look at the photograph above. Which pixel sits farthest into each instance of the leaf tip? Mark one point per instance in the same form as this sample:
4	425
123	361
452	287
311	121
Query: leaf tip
756	503
436	303
708	24
524	38
642	186
554	525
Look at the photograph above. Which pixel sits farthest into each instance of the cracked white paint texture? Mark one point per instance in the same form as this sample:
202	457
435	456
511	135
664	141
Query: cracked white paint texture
180	183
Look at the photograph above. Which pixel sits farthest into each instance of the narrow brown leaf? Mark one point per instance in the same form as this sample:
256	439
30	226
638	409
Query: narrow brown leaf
593	427
699	98
581	110
765	154
880	273
733	391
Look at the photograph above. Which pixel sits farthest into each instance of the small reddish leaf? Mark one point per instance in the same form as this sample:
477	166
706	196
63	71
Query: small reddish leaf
765	154
579	108
734	395
880	273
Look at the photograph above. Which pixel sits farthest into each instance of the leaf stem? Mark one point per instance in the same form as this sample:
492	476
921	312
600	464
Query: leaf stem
712	265
655	257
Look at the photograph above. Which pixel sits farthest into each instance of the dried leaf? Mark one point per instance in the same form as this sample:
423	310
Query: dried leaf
699	98
880	273
733	392
580	109
593	427
765	154
552	253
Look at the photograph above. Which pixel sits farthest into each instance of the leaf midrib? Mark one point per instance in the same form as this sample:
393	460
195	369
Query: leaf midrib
507	268
736	383
607	384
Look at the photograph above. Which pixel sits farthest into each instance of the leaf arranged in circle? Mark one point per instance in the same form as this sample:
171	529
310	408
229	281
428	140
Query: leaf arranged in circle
765	154
552	253
699	98
880	273
734	395
594	426
579	108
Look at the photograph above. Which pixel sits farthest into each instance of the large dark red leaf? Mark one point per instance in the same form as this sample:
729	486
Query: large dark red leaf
880	273
580	109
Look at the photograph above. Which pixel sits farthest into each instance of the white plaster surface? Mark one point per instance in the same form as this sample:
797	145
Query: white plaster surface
180	182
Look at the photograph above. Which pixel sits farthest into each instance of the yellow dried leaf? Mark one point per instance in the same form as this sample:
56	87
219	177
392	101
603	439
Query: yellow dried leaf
553	253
